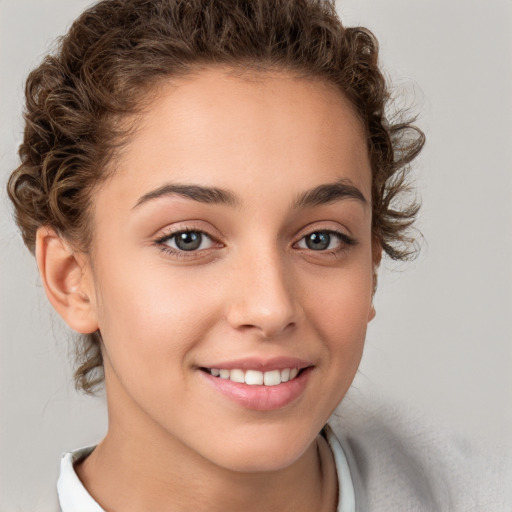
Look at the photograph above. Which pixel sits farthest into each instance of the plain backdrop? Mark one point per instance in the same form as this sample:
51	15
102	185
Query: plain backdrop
442	338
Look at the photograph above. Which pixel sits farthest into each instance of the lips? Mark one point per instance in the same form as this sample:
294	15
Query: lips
259	385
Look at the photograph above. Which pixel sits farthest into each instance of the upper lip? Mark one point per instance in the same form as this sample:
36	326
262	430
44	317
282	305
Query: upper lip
263	365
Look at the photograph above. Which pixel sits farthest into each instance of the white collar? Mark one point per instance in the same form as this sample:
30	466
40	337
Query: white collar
72	494
346	493
74	498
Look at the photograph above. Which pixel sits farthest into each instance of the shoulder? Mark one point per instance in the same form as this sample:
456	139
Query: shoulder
401	461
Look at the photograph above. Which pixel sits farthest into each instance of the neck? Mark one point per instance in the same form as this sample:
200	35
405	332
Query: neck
128	477
140	466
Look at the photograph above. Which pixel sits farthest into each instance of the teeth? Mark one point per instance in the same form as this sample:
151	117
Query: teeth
272	378
237	376
255	377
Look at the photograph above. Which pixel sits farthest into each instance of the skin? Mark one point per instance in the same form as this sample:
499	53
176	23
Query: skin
253	289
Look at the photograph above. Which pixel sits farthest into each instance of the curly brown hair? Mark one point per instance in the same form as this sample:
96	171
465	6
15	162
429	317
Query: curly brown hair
118	51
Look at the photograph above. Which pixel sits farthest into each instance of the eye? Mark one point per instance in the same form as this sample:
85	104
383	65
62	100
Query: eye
324	241
187	241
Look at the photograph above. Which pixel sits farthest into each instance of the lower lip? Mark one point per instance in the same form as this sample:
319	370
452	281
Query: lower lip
260	398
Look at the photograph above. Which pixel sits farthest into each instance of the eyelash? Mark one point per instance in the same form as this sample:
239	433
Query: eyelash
345	242
161	242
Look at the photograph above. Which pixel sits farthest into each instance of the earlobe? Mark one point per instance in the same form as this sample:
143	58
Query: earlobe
66	281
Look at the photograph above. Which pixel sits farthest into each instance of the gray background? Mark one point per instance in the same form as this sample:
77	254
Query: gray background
442	339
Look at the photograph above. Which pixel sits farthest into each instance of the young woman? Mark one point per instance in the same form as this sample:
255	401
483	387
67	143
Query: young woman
208	188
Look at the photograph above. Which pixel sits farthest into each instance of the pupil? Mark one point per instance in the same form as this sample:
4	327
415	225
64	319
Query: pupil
188	241
318	241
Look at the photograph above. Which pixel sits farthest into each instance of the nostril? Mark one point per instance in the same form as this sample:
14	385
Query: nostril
267	319
263	300
266	330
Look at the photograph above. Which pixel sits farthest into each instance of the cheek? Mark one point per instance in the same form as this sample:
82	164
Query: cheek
151	315
338	310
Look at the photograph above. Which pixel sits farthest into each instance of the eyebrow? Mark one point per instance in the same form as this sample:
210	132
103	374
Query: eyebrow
328	193
207	195
323	194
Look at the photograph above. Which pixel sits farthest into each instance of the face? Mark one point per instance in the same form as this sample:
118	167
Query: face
231	267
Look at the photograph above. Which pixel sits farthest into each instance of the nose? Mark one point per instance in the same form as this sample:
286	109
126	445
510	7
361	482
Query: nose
262	296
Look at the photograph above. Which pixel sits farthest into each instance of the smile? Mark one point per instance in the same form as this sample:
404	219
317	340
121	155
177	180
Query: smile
266	389
255	377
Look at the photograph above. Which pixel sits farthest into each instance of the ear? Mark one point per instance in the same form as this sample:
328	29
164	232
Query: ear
67	280
377	257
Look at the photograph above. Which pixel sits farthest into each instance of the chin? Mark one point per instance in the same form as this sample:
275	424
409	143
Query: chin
262	452
260	463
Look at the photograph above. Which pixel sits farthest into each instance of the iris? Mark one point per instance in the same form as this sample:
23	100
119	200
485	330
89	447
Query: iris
318	241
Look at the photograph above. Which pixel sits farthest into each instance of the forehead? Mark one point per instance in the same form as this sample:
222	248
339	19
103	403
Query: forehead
266	130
